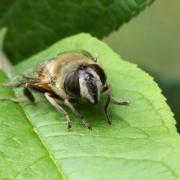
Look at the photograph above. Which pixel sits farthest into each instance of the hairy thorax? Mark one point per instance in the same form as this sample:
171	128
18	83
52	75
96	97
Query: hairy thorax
54	72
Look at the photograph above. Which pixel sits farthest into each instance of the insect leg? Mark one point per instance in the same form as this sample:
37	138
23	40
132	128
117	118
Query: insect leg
15	100
53	102
84	121
28	93
114	100
108	100
118	102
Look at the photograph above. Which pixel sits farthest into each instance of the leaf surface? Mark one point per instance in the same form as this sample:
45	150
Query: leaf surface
22	154
142	142
34	25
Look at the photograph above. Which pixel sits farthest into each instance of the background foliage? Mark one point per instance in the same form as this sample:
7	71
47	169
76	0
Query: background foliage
34	25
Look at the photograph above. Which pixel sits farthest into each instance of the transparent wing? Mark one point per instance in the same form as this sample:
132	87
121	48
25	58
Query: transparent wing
84	52
29	76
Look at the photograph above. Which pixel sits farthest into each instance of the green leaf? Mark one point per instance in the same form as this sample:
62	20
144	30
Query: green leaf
142	142
171	89
34	25
22	154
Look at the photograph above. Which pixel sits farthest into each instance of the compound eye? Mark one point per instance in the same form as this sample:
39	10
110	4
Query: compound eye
71	84
99	71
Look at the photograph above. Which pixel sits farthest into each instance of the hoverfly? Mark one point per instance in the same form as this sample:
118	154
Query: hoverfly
70	77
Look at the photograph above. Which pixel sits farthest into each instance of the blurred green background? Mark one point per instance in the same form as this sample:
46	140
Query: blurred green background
152	40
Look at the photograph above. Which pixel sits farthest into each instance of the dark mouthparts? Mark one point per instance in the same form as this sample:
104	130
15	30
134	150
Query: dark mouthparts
99	71
92	87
